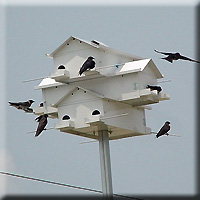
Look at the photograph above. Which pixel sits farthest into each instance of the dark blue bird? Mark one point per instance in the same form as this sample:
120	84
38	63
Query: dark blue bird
154	87
42	119
175	56
164	129
87	65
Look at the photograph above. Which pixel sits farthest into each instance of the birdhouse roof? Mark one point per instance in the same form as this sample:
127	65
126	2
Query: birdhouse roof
95	44
139	66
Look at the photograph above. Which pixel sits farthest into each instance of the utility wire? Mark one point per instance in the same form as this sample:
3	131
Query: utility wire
63	184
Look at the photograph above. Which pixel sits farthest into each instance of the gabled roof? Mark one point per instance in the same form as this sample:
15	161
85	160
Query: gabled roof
48	82
95	44
139	65
80	88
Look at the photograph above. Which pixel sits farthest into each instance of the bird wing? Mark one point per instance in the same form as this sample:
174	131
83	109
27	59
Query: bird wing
25	104
82	69
186	58
41	126
16	105
91	64
163	130
38	118
85	66
162	52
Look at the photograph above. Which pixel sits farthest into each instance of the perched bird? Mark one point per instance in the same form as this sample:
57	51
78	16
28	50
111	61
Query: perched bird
164	129
42	119
88	64
152	87
175	56
22	105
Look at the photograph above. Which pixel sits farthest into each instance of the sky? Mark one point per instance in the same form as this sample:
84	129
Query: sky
141	166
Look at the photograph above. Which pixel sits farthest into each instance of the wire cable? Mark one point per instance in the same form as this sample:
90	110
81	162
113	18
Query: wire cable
64	184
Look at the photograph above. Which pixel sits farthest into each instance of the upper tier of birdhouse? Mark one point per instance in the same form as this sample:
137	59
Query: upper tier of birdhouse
73	52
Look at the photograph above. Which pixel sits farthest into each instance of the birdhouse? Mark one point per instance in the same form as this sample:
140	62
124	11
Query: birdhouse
111	96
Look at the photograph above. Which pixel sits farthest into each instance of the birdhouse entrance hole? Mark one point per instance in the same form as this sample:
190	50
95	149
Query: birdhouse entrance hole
66	117
61	67
96	112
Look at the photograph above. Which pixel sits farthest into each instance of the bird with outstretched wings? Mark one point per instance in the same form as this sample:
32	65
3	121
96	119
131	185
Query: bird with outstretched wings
175	56
23	105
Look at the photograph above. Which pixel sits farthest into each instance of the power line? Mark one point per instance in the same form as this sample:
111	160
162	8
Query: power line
64	184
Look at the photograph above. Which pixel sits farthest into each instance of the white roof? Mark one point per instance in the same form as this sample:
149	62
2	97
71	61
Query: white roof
95	44
48	82
139	65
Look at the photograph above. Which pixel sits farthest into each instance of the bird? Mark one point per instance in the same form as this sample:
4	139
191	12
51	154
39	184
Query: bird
175	56
22	105
164	129
87	65
152	87
42	119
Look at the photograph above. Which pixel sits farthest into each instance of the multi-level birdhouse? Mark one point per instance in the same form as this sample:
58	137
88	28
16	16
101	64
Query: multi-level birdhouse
111	96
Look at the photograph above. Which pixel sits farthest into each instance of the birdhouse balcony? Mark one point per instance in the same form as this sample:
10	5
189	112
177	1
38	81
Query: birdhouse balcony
61	75
143	97
51	111
65	125
93	120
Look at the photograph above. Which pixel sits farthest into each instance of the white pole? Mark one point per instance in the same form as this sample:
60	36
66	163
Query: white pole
105	163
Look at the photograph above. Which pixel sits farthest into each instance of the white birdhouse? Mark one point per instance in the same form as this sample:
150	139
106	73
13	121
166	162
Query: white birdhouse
111	96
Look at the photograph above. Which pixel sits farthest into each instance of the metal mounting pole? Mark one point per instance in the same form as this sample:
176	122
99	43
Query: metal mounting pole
106	176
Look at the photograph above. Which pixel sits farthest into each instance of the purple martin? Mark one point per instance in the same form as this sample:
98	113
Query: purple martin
42	119
164	129
175	56
22	105
152	87
87	65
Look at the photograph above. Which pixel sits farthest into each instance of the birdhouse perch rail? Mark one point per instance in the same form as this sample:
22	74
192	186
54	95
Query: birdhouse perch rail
168	134
114	116
46	129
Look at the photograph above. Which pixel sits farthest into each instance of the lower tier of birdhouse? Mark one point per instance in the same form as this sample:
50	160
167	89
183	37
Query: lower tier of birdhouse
95	125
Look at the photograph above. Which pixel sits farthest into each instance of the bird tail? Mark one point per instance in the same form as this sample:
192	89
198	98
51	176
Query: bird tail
16	105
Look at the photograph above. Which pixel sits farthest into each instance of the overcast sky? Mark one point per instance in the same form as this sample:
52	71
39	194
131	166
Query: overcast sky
140	165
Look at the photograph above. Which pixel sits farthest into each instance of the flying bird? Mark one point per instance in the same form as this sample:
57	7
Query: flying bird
87	65
175	56
22	105
152	87
42	119
164	129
